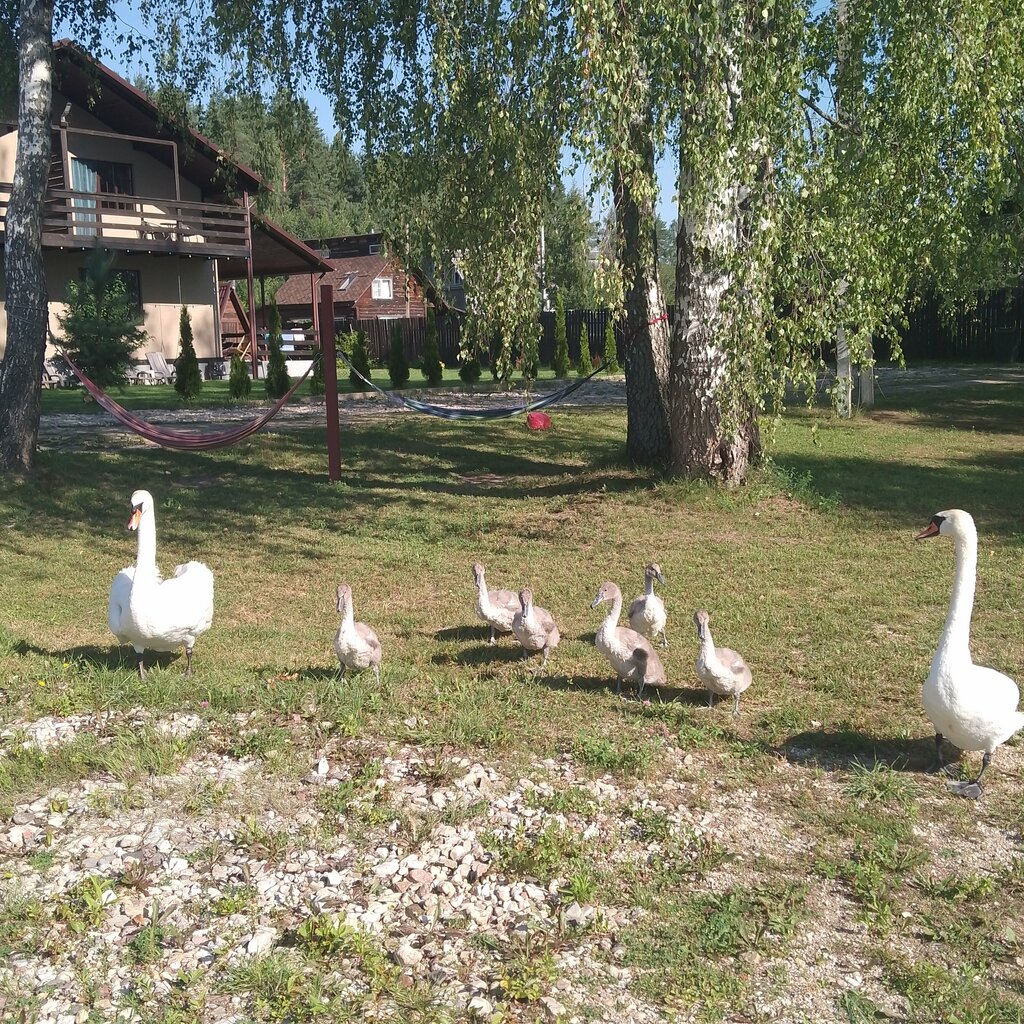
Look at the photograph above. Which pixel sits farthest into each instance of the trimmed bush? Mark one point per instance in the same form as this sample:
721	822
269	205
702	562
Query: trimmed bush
278	382
100	323
239	382
360	359
188	379
586	364
611	356
469	368
561	362
531	356
431	367
398	365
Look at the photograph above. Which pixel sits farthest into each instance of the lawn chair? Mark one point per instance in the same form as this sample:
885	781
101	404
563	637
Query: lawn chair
56	375
162	370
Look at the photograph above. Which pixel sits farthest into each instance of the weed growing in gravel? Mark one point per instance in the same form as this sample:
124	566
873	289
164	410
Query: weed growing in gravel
879	783
21	918
234	899
529	969
625	756
550	853
574	800
82	906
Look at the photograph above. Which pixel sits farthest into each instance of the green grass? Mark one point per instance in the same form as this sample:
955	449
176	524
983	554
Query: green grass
810	571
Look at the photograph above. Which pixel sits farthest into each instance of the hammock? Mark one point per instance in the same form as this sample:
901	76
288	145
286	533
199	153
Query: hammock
449	413
180	440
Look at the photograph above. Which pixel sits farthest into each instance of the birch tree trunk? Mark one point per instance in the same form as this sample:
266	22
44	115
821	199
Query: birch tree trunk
710	437
22	368
646	344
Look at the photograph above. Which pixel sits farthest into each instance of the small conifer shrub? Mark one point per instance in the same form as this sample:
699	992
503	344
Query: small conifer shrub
561	362
239	383
360	359
431	367
586	364
611	357
188	378
398	364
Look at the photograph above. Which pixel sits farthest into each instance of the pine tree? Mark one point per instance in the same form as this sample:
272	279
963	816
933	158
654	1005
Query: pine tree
586	363
398	365
469	367
317	385
561	362
611	356
100	324
360	360
431	368
278	382
239	384
188	378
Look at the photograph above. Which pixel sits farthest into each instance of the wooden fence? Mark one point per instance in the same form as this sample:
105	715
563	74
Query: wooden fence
990	332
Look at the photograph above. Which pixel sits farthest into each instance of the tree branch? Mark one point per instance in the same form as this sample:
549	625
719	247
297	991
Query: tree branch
808	102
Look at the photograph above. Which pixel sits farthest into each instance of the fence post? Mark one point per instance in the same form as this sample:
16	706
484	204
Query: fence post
330	363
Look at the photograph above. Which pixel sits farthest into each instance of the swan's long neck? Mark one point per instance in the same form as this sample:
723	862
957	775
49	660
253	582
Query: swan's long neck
956	634
482	595
145	558
707	647
612	618
648	585
348	618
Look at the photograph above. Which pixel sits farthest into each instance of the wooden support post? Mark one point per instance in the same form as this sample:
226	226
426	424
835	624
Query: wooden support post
254	353
330	364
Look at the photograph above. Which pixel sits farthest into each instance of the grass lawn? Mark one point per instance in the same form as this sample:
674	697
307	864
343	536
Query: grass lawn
793	864
215	392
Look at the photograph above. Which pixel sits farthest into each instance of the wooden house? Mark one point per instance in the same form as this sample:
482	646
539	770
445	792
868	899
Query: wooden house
172	206
368	284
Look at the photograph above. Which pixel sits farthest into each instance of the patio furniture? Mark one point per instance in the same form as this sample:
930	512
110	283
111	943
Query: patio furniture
162	370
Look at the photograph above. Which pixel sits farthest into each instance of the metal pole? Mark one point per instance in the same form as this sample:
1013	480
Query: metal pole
330	364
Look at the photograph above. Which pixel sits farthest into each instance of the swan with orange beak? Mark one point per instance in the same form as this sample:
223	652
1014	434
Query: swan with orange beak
152	613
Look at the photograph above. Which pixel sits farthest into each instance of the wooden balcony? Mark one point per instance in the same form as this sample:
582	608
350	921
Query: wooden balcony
78	220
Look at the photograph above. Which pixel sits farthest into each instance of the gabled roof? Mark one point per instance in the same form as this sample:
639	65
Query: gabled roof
274	252
359	271
116	102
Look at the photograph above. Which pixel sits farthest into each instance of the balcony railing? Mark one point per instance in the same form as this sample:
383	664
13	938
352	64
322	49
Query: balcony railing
76	220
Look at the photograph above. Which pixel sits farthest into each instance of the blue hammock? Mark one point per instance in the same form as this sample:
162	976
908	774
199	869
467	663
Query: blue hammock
448	413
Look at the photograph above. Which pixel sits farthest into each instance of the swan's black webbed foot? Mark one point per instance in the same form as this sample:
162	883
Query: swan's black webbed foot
969	790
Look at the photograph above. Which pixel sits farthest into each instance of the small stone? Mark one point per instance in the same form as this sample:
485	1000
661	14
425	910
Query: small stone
387	869
334	878
552	1007
480	1007
420	875
130	842
261	942
408	956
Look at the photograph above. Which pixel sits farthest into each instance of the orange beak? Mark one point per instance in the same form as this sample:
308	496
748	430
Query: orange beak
931	530
133	521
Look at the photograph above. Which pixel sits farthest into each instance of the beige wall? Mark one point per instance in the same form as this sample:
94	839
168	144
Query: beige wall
166	282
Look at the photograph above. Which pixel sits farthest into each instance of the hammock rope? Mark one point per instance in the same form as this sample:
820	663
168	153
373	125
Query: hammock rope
180	440
449	413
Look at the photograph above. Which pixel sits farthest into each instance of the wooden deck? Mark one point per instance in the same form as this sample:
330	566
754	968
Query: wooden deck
76	220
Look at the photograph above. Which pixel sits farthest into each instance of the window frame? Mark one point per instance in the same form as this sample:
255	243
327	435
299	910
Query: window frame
390	281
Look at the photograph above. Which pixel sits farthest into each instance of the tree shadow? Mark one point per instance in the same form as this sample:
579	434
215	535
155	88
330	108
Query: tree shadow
482	654
844	749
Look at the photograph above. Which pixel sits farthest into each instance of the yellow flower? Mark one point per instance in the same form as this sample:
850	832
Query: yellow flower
42	682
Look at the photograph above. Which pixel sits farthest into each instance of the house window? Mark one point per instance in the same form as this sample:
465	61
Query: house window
132	288
382	288
346	281
374	248
113	179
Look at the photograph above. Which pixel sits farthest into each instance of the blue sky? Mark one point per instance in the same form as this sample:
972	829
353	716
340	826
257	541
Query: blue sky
322	105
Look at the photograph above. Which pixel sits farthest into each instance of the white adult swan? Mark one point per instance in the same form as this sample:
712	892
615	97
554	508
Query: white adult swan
149	612
628	652
496	607
974	707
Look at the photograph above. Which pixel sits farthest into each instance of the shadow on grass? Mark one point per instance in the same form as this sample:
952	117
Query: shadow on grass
466	633
113	658
484	654
845	749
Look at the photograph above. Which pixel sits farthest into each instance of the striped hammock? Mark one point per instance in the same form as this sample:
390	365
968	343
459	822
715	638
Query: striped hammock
449	413
180	440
